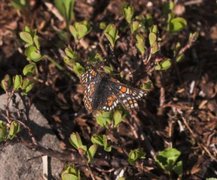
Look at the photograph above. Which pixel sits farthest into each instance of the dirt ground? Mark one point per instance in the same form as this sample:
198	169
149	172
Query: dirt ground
180	111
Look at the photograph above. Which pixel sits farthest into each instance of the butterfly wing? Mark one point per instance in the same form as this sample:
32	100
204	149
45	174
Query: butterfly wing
110	102
88	80
127	96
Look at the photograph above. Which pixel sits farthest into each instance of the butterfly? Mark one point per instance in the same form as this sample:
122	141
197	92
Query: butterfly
102	92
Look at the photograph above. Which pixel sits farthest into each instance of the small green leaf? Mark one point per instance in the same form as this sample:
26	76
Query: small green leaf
102	25
154	29
128	12
17	82
140	43
27	29
33	53
168	7
36	41
167	160
19	4
97	139
134	26
80	29
178	168
152	38
70	173
108	69
91	152
76	142
14	129
78	69
26	37
177	24
103	118
147	85
29	69
6	83
118	117
101	140
3	131
135	154
27	86
71	54
66	8
180	58
211	178
164	65
111	34
154	48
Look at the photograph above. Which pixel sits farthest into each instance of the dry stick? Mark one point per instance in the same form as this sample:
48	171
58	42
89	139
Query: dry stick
101	45
194	136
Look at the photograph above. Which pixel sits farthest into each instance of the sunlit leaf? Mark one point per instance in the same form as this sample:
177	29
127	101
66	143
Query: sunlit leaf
177	24
111	34
70	173
29	69
128	12
17	82
14	129
3	131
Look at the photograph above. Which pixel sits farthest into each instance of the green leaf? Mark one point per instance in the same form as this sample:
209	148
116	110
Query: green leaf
66	8
3	131
14	129
33	53
91	152
167	160
135	154
78	69
154	29
26	37
36	41
80	29
76	142
70	173
118	117
27	86
128	12
71	54
147	85
154	48
180	58
97	139
101	140
102	25
103	118
29	69
152	38
167	7
164	65
211	178
134	26
111	34
121	178
140	43
177	24
108	69
17	82
178	168
19	4
6	83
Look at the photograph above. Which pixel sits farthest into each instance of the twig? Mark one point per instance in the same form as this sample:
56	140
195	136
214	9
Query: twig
202	146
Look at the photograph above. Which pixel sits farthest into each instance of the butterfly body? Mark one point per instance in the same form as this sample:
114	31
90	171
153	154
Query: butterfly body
104	93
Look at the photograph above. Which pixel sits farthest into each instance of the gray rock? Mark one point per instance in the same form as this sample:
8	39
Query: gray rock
18	161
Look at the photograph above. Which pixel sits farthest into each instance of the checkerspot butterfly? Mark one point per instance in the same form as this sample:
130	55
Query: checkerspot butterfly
105	93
